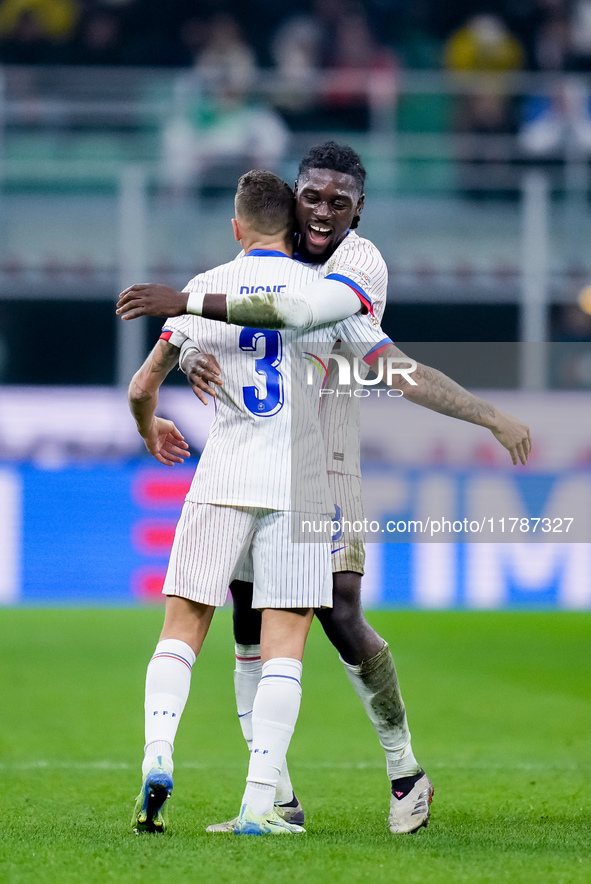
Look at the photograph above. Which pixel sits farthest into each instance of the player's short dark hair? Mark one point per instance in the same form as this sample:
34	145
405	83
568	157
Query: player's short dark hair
337	158
266	202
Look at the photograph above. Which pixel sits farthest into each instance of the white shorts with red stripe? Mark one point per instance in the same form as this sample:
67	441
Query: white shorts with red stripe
211	542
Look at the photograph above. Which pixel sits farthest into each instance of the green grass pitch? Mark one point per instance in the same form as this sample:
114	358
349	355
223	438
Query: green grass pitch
499	705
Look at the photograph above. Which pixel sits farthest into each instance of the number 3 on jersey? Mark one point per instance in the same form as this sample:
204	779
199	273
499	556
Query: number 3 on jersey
266	367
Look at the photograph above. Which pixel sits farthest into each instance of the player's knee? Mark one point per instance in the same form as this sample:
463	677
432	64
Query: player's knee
346	616
346	598
345	623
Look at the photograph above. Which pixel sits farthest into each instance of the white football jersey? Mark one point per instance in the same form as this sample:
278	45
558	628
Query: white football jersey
266	429
358	263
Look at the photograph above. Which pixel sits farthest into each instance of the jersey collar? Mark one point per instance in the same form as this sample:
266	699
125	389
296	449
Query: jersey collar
265	253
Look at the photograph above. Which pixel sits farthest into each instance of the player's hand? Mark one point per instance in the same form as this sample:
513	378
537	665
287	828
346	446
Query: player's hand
151	299
202	370
166	443
514	436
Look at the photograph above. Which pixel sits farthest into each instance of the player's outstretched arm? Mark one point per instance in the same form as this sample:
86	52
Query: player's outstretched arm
161	437
436	391
320	302
325	300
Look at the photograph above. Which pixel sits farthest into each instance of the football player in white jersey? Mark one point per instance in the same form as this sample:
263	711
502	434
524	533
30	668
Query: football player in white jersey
329	199
267	418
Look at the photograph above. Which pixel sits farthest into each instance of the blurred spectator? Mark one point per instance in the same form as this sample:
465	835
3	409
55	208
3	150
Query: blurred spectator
214	137
27	42
225	57
362	73
580	36
296	49
32	31
217	129
484	43
558	122
98	38
327	14
55	19
301	48
309	34
552	44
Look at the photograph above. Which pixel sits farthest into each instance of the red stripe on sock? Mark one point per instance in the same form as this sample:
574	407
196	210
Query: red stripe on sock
173	657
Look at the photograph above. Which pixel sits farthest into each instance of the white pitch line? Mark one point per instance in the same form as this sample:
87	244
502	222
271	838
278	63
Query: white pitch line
106	765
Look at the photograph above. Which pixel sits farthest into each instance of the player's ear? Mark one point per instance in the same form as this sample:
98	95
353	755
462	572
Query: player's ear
358	211
236	229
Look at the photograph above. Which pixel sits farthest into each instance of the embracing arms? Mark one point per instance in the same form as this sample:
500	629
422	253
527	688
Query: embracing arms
324	300
432	389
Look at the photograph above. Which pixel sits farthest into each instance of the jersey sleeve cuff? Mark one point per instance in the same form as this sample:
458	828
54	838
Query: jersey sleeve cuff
361	294
377	351
173	336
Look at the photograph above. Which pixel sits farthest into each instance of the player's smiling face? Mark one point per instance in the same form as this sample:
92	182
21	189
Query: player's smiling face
326	203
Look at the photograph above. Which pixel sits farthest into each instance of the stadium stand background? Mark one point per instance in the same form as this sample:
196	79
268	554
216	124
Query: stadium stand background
123	128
